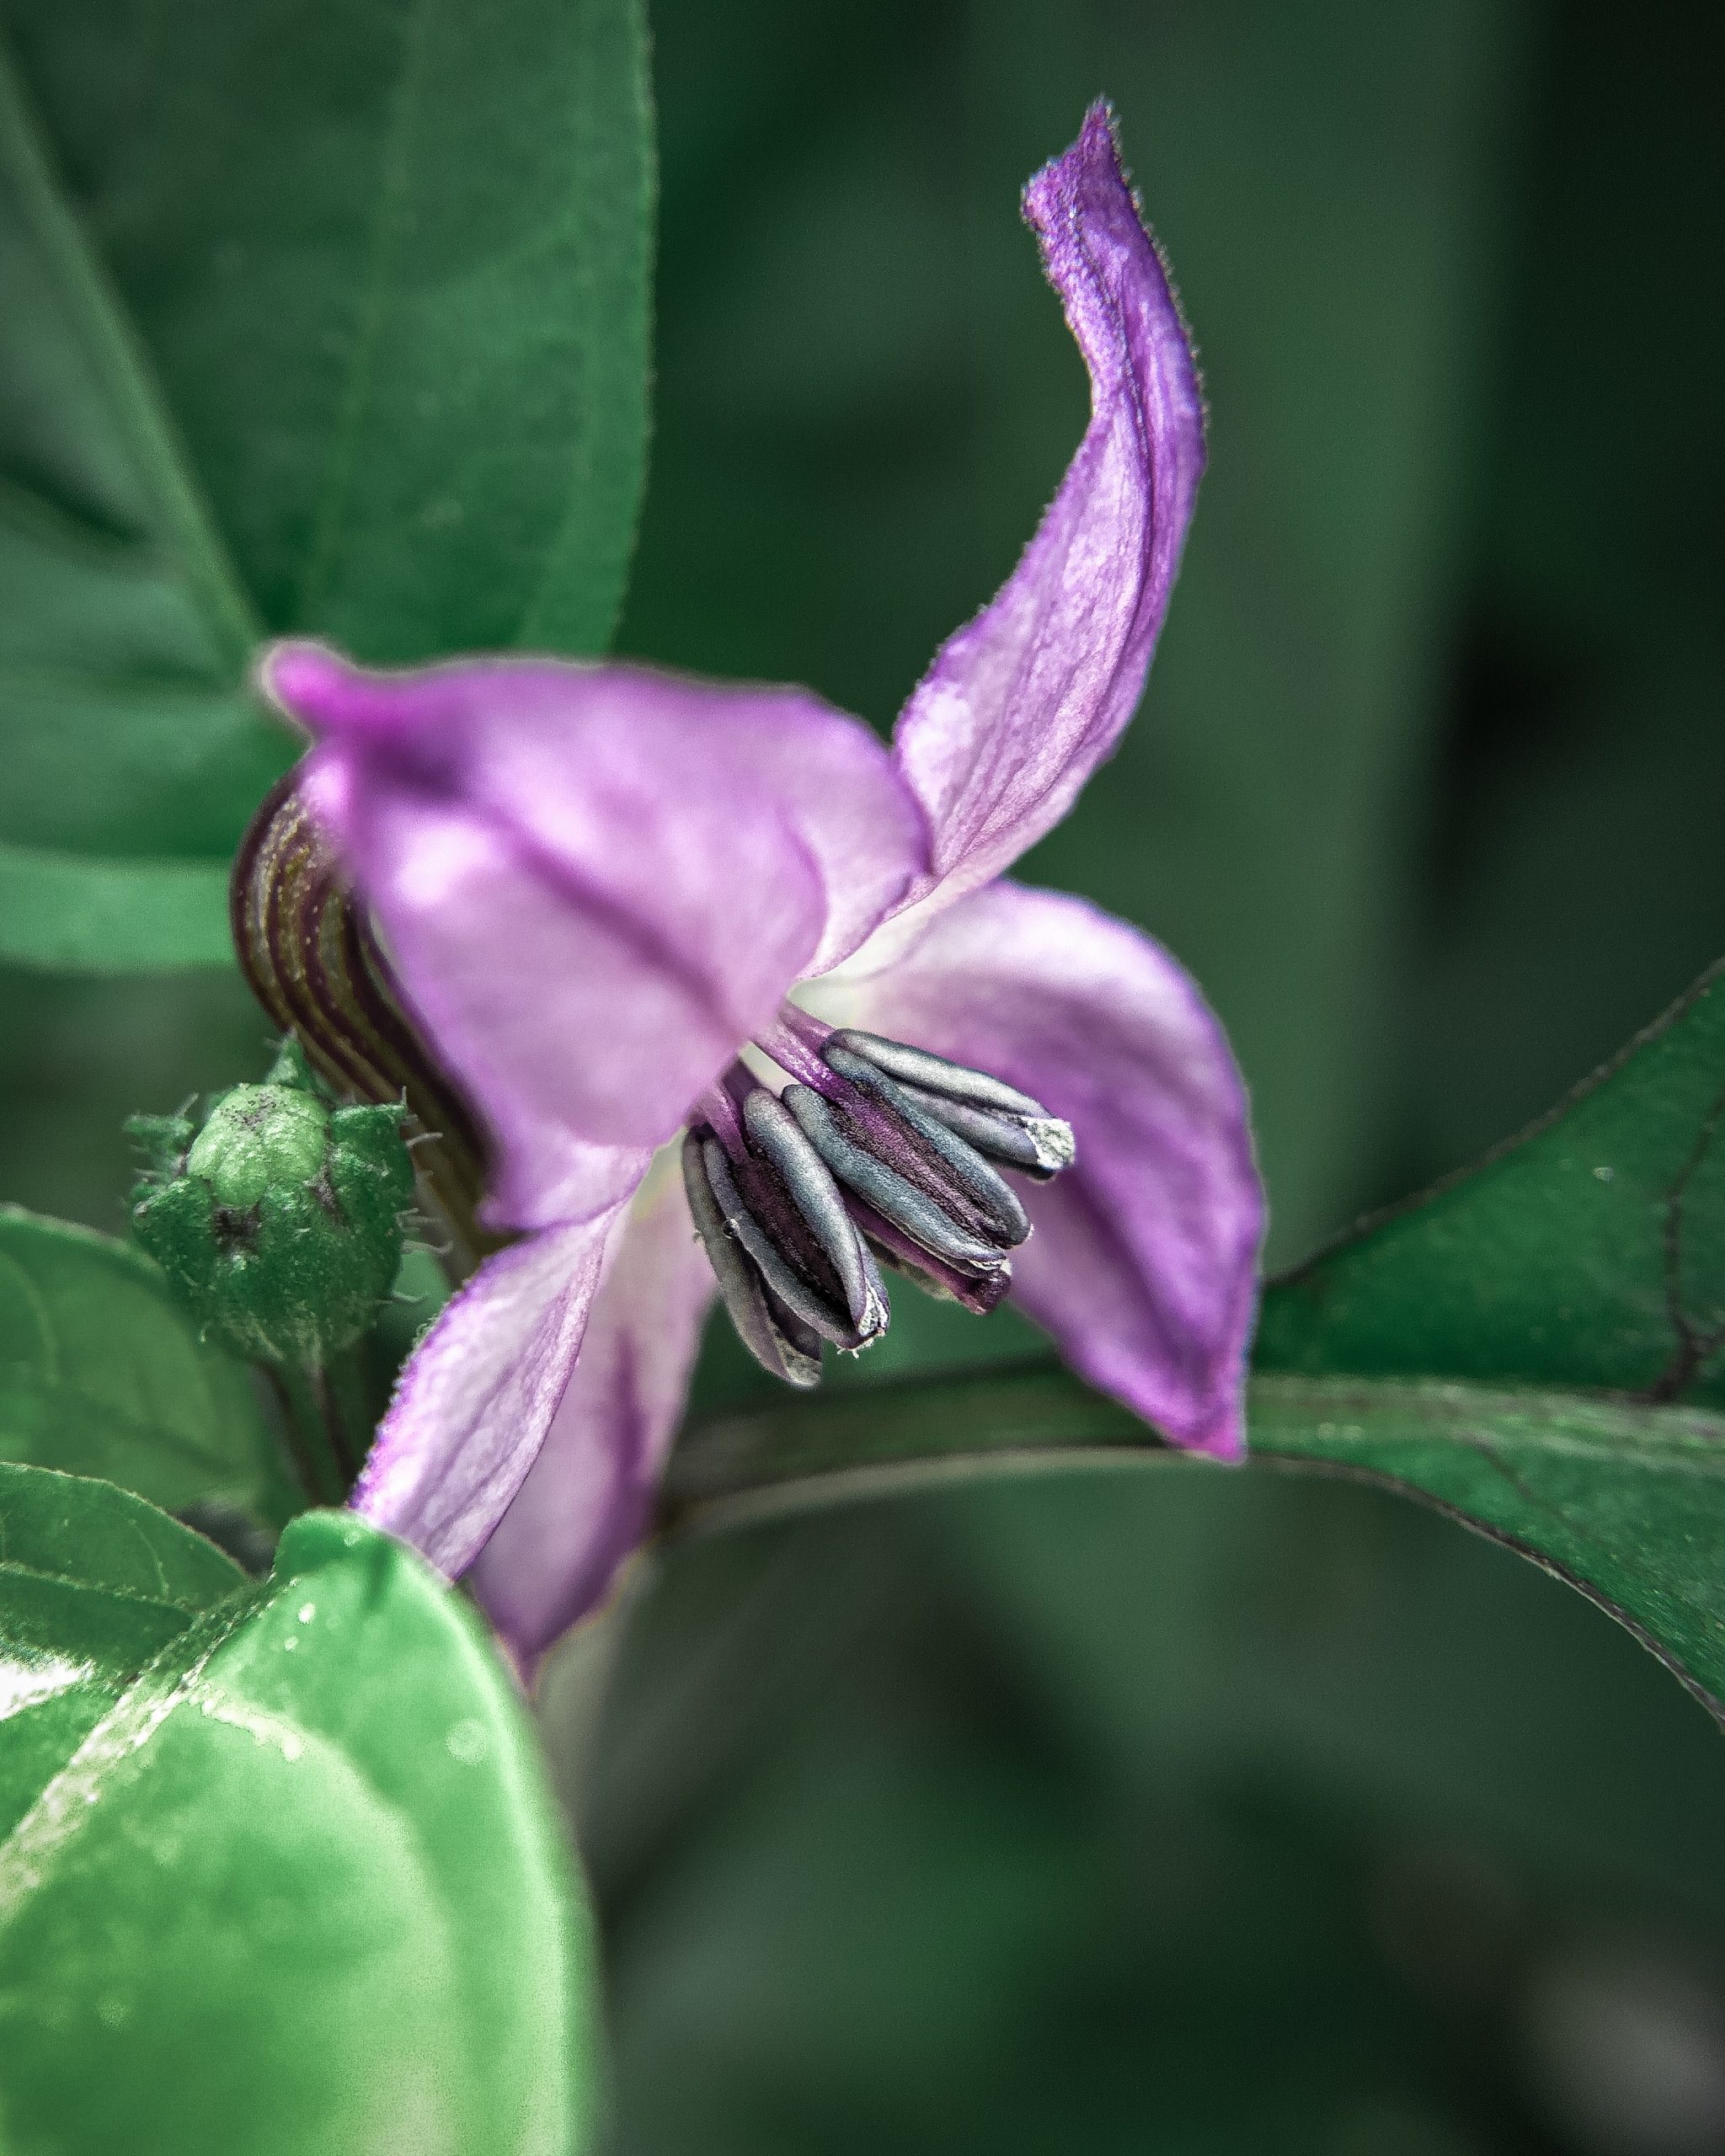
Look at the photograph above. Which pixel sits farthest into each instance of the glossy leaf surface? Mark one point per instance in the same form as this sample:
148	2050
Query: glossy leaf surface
293	1883
93	1583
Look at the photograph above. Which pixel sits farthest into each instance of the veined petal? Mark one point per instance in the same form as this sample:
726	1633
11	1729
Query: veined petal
1020	707
588	1499
1142	1262
595	882
479	1392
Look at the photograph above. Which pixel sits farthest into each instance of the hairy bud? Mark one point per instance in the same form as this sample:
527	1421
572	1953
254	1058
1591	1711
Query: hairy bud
278	1223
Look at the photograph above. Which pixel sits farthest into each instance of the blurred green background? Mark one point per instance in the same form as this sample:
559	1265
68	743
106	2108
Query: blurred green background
1190	1811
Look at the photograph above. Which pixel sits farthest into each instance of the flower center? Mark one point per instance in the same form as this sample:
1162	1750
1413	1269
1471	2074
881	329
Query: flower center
875	1151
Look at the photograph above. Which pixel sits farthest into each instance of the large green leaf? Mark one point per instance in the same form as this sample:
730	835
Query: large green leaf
1532	1347
326	318
281	1872
102	1373
130	746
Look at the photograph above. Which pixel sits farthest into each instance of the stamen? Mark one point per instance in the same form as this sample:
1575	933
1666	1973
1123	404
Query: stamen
816	1196
917	1141
776	1337
1036	1147
794	1041
994	1197
787	1280
920	1066
791	1262
920	1213
979	1293
993	1116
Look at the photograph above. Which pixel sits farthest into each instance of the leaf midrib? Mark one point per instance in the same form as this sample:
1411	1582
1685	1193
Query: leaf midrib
822	1465
222	600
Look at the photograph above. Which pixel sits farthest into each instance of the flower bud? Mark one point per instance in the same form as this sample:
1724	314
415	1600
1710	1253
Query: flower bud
278	1224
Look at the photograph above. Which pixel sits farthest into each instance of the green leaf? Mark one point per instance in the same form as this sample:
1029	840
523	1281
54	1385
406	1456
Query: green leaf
327	319
132	754
295	1883
1534	1347
1589	1253
102	1373
93	1582
1624	1502
73	913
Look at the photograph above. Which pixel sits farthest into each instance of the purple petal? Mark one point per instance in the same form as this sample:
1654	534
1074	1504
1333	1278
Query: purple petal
1143	1259
596	882
1021	706
478	1394
587	1500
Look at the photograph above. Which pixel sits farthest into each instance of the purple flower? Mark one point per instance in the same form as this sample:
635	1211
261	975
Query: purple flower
597	885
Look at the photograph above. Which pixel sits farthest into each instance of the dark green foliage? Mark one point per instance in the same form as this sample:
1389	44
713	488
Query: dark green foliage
330	318
1590	1253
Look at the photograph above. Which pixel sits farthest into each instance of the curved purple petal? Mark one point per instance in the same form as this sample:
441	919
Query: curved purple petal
596	882
478	1394
1143	1259
1020	707
586	1503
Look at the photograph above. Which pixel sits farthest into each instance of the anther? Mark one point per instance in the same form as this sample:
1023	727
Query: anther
774	1132
977	1291
998	1120
990	1191
931	1215
775	1335
788	1282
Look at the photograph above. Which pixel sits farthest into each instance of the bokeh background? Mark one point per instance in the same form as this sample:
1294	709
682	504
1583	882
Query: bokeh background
1198	1811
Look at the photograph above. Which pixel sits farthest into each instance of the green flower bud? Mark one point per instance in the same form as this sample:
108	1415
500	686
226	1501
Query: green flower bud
279	1223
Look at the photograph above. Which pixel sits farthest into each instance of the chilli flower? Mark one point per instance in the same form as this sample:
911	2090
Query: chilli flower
623	910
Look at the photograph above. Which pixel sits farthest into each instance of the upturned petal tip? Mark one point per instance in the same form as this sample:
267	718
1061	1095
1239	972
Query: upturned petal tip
300	675
1022	704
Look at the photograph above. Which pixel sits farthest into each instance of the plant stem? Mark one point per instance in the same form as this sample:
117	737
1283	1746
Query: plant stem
347	1392
313	1442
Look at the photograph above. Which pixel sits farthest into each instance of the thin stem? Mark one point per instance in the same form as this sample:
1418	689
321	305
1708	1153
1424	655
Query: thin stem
350	1406
717	1108
310	1445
